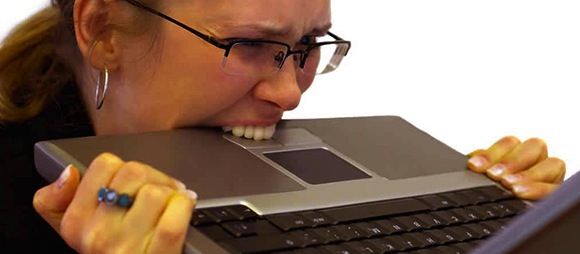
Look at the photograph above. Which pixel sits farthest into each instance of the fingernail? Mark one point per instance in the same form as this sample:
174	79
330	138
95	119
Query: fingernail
180	185
63	177
191	194
512	179
520	189
497	170
477	161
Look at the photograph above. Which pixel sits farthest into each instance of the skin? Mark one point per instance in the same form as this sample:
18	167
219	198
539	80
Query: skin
179	82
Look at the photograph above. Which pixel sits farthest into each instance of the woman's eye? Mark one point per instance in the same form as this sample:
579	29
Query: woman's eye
308	40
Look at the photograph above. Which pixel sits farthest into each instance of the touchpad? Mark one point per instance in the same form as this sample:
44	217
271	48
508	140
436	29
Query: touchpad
316	166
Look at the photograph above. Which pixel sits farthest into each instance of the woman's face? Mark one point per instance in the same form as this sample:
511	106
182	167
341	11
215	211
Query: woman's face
178	80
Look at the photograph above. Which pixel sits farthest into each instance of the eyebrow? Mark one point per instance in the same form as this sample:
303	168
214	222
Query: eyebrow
274	29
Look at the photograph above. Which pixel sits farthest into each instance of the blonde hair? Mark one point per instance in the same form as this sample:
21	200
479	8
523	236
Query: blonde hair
31	71
38	57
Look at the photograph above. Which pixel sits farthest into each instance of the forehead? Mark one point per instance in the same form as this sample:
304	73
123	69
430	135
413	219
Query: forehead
289	17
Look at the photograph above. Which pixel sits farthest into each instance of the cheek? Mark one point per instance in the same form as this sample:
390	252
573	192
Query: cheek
198	86
304	81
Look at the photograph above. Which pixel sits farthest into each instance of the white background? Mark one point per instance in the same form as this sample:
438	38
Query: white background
467	72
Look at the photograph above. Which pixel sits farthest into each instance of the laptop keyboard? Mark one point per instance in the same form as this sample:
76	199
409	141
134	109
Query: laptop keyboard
451	222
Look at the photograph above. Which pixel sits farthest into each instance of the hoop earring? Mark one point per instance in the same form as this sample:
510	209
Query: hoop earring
100	96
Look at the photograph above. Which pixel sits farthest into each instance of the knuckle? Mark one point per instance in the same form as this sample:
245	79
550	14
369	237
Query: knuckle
537	142
69	225
510	140
132	170
153	192
557	162
169	234
95	241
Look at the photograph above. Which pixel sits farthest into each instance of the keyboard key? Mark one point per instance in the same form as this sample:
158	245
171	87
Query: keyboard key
240	228
363	247
384	245
494	193
462	233
350	232
409	223
338	249
372	229
466	214
517	205
307	251
437	202
242	212
422	240
327	235
317	218
430	220
457	198
289	221
264	227
405	242
475	197
266	243
389	226
219	214
307	238
199	218
449	250
448	218
477	230
374	210
215	232
466	247
486	212
443	237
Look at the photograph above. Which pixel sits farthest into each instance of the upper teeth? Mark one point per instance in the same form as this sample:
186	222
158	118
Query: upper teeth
252	132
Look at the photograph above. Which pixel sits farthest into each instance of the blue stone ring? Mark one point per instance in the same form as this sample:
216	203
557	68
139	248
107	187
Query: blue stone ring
111	197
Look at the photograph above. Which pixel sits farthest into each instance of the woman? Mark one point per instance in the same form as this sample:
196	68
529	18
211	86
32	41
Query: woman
98	67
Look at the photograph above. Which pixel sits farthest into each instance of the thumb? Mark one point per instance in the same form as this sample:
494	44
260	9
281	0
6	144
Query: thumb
52	200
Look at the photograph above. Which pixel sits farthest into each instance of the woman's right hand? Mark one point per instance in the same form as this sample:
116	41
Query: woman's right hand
156	222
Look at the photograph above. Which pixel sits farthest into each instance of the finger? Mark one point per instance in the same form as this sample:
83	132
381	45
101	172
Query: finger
132	175
520	158
52	201
533	190
129	179
150	202
85	203
169	235
550	170
100	172
480	160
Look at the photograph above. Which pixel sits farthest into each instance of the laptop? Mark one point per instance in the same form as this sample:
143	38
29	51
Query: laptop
337	185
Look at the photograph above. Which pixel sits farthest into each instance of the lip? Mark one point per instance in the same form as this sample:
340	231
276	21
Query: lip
266	121
262	122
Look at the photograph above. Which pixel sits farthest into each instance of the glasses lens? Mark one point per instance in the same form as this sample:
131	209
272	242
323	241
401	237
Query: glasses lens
254	58
325	58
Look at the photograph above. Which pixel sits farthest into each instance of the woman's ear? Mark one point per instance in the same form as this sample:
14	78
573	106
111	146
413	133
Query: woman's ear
95	38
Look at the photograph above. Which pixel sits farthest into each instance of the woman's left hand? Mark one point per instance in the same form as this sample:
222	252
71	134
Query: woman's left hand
523	167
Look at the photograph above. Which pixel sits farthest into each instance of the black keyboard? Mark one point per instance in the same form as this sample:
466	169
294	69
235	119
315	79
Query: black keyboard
451	222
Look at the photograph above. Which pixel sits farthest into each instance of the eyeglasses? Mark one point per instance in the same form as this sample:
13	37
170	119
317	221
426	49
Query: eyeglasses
248	57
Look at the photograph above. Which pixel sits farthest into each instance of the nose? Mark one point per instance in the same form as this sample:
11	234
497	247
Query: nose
281	88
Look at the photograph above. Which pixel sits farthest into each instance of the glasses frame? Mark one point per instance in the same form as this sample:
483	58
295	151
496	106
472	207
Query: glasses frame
228	46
